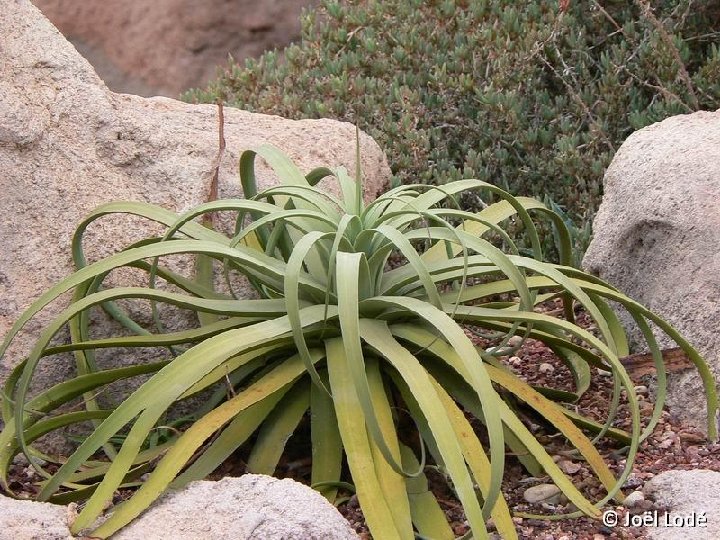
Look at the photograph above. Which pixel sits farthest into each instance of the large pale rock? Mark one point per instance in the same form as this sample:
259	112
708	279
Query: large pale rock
68	144
164	47
656	237
249	507
28	520
688	505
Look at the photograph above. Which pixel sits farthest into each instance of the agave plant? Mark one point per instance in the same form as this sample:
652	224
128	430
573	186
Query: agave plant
360	319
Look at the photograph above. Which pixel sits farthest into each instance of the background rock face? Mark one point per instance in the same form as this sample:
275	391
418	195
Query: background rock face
68	144
657	237
163	47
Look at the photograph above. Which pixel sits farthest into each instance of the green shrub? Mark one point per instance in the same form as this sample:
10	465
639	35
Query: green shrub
525	96
365	346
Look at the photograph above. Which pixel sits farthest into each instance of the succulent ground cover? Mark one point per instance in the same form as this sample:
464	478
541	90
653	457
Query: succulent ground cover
535	98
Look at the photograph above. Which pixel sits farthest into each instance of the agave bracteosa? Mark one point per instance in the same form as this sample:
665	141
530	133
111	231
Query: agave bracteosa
339	333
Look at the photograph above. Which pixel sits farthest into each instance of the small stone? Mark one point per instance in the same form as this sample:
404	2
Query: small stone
517	520
515	341
598	537
547	493
641	389
569	467
515	360
634	499
546	368
646	408
604	373
633	481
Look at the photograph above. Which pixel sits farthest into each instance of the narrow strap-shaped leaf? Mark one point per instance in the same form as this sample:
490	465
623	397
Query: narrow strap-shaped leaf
377	335
477	461
414	259
554	414
157	340
237	432
145	210
393	484
478	377
428	517
347	188
426	341
161	390
183	449
292	300
326	443
348	283
277	428
709	384
376	508
249	258
317	174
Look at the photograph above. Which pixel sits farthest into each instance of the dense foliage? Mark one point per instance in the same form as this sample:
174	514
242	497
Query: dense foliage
534	97
354	332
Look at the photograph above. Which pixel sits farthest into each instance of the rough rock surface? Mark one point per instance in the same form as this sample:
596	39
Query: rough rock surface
686	495
251	506
656	237
68	144
163	47
28	520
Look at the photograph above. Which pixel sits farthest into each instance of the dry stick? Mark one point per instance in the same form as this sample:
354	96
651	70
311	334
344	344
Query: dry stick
213	195
639	365
572	92
684	75
671	96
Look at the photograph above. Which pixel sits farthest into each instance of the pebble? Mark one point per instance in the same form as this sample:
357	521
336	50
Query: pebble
546	368
604	373
569	467
667	440
641	389
598	537
632	481
646	408
21	460
634	499
515	341
515	360
547	493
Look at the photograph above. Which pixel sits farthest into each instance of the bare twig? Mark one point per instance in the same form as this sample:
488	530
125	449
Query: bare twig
213	195
667	39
